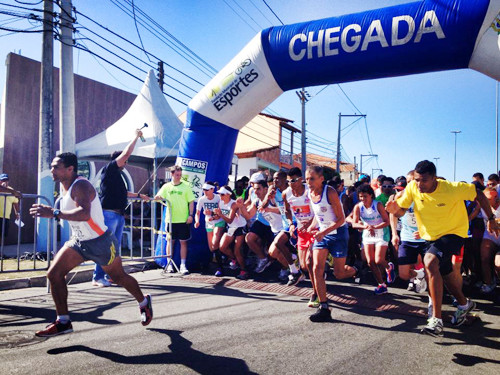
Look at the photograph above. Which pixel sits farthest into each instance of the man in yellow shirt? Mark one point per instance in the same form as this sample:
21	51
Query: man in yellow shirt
442	221
181	198
7	203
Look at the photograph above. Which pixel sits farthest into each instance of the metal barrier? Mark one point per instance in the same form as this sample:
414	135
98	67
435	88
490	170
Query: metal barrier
51	238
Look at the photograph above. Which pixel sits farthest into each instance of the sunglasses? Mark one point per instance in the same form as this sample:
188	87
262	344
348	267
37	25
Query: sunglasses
387	186
292	180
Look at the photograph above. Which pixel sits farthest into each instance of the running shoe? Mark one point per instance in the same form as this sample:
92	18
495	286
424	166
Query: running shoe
147	312
243	275
284	274
391	274
262	265
183	270
218	273
420	285
321	315
460	315
295	278
314	303
101	283
411	285
381	289
170	268
487	289
55	328
434	327
233	265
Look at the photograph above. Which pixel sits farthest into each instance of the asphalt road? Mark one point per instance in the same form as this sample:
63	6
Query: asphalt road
223	326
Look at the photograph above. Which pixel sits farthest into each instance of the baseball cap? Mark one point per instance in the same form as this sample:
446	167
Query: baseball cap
4	177
258	176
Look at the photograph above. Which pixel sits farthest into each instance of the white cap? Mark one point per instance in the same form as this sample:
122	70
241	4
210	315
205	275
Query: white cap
223	190
258	176
207	186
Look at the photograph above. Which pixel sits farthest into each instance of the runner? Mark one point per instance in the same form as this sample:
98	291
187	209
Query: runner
490	247
370	215
214	225
229	211
331	238
91	240
442	222
409	245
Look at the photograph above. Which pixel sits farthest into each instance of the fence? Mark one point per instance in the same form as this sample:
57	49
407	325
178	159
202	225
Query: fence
37	256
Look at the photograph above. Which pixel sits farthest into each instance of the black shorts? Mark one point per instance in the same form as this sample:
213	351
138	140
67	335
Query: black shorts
409	251
180	231
444	248
263	231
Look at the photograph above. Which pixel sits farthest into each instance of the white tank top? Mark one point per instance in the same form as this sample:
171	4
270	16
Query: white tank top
370	215
300	206
85	230
323	210
238	221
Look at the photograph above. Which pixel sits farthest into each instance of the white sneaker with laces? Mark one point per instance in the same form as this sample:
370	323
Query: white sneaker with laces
170	268
183	270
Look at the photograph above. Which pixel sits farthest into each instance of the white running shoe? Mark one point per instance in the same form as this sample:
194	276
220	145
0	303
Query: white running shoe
101	283
183	270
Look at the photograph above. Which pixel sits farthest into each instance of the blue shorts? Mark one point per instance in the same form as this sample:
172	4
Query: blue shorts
409	251
336	243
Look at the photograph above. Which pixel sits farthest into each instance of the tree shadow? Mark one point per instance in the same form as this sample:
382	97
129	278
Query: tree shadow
181	352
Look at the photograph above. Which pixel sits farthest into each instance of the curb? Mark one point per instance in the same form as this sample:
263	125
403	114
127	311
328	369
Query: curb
74	277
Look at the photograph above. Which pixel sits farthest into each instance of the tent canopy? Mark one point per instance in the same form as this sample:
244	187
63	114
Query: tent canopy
161	136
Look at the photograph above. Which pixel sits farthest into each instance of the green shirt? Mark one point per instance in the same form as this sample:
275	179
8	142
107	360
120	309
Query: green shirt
382	198
179	197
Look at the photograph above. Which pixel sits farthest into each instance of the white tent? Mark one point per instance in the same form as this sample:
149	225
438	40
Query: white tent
161	136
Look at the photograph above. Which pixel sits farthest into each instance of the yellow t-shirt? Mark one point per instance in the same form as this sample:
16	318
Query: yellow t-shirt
179	196
441	212
8	200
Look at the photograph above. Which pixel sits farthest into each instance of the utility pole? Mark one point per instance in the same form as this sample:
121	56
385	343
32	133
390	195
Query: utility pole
361	161
45	185
455	158
161	75
66	82
303	94
337	165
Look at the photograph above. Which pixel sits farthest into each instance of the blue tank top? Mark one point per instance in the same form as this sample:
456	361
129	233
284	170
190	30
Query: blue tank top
409	226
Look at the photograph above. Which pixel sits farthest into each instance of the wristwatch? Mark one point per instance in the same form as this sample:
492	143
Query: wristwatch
56	213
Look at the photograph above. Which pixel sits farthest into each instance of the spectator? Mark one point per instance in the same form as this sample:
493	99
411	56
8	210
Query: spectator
7	202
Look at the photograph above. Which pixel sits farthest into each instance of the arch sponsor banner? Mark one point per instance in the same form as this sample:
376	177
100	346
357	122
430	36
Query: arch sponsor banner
422	36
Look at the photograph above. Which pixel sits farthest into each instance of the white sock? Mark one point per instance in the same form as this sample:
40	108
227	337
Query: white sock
183	262
420	273
293	268
63	318
144	303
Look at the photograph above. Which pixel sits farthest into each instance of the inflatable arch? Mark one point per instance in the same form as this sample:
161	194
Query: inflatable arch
418	37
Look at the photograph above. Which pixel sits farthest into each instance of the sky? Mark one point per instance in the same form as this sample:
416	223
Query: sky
408	119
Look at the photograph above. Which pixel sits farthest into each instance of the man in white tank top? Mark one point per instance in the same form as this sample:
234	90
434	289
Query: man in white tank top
91	240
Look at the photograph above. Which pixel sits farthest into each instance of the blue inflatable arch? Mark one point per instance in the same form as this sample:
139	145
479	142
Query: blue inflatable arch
418	37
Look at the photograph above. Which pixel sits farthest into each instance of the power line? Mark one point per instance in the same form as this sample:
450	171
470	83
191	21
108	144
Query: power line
138	33
249	16
272	11
262	13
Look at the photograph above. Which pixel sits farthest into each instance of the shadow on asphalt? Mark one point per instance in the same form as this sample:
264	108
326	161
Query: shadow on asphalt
181	352
471	360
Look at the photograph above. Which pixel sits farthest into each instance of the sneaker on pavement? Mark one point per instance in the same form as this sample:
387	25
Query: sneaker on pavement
284	274
391	274
381	289
218	273
314	303
243	275
170	268
101	283
55	328
233	265
411	285
147	312
295	278
262	265
183	270
321	315
487	289
460	315
434	327
420	285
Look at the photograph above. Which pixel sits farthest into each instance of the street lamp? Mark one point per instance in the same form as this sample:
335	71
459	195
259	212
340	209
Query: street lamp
455	158
436	161
361	162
